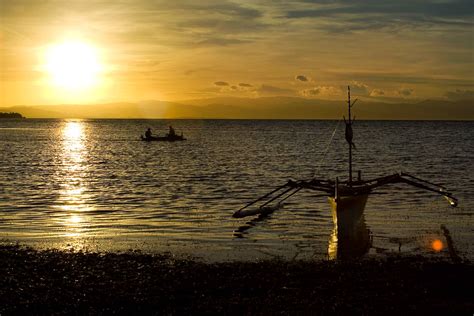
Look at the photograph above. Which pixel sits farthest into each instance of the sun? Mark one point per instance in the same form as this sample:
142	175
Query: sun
73	65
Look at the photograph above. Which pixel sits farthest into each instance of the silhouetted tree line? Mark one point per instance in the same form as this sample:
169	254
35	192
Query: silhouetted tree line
10	115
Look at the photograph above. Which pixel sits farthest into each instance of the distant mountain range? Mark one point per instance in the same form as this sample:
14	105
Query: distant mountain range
255	108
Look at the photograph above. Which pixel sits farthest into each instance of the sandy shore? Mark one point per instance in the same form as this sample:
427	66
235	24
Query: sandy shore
55	282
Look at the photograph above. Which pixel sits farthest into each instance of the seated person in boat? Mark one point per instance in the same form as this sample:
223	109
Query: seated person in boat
171	132
148	133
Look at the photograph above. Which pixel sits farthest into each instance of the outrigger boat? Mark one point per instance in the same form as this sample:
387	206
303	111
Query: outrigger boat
347	198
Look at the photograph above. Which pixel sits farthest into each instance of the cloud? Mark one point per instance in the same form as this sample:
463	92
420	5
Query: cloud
351	15
193	71
245	85
244	89
377	93
460	95
216	41
221	83
323	91
401	79
272	90
209	90
170	23
302	78
390	96
210	23
359	88
310	92
405	92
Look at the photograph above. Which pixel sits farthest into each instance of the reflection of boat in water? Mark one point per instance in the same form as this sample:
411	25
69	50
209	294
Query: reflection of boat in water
350	237
347	198
241	231
167	138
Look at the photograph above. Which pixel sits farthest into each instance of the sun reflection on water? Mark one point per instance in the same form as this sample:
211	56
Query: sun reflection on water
73	197
73	130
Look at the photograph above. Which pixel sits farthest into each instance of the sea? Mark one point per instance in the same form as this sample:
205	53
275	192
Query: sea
93	185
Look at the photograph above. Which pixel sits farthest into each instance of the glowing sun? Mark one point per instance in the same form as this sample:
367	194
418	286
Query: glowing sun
73	65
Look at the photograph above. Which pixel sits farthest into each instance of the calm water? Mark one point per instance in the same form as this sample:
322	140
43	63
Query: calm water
92	185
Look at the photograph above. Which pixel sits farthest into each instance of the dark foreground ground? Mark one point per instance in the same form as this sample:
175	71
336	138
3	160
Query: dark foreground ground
55	282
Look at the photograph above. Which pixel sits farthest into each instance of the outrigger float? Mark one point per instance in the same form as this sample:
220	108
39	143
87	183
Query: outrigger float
347	198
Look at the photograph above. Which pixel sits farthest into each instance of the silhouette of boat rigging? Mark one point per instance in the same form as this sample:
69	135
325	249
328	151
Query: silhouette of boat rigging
347	198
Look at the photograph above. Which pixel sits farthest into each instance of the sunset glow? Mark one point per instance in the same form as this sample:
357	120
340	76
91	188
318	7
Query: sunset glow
233	53
236	157
72	65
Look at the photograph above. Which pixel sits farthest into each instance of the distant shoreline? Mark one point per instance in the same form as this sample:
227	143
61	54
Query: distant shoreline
11	115
240	119
259	108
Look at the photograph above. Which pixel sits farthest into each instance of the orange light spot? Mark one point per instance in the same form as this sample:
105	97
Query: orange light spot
437	245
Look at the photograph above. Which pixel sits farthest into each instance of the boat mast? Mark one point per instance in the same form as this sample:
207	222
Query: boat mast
349	131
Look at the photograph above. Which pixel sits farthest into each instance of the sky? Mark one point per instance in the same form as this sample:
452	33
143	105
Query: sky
405	50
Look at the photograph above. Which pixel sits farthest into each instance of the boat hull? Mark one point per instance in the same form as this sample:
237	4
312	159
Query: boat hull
350	237
347	210
176	138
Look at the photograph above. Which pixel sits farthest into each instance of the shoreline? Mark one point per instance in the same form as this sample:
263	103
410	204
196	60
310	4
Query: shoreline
59	282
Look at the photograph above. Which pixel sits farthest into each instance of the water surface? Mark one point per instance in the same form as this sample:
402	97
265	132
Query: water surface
92	185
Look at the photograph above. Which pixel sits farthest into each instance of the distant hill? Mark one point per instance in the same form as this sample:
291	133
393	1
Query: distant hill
10	115
256	108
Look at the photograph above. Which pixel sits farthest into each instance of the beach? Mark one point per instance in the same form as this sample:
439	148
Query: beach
55	282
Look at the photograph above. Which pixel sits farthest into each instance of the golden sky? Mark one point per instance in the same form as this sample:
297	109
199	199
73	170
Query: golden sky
178	50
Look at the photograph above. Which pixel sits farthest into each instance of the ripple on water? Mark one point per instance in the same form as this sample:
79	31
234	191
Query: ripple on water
92	183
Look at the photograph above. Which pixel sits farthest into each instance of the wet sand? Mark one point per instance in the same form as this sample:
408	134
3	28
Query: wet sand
57	282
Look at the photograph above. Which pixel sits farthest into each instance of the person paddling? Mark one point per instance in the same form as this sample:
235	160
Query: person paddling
148	133
171	133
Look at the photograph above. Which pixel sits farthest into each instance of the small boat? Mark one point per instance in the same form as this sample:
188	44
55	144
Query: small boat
167	138
347	198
